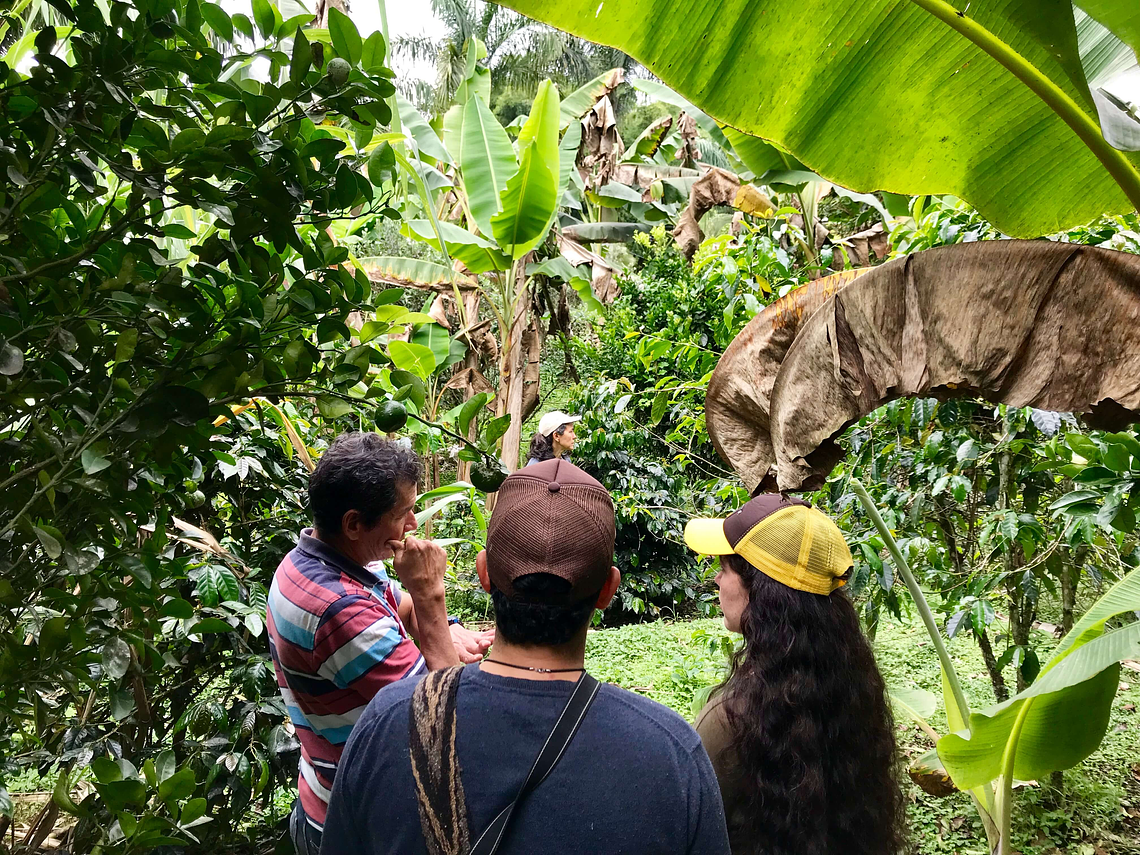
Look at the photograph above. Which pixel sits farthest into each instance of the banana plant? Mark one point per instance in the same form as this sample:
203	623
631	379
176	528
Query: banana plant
506	196
1052	725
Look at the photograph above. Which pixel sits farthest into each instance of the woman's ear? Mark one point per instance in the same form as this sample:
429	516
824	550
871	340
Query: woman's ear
481	569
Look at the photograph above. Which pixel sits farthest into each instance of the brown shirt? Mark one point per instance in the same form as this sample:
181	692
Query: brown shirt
712	726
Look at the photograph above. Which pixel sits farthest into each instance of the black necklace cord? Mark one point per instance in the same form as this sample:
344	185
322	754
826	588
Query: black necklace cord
529	668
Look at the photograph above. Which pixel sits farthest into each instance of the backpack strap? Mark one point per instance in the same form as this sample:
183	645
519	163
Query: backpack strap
435	764
585	690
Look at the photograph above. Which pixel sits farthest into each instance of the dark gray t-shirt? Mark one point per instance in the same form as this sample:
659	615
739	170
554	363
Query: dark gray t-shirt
635	779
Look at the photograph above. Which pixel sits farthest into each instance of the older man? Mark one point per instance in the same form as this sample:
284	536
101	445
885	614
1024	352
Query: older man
339	630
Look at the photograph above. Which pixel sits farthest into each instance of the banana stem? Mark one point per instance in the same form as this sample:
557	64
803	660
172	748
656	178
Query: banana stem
917	595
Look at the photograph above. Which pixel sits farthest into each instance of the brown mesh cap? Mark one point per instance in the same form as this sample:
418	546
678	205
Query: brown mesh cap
552	517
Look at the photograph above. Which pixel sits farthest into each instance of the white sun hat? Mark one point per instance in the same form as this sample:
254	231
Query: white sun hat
549	423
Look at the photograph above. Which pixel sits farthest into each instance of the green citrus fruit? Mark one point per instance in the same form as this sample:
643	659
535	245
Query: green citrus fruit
390	417
338	72
488	476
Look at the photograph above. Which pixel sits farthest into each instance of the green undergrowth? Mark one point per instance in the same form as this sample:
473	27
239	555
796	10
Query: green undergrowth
1092	814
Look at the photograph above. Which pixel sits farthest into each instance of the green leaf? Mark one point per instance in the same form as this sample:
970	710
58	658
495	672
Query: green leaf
49	542
125	345
420	131
53	637
382	164
915	703
660	403
119	794
968	450
218	20
487	159
582	100
1075	498
302	59
345	39
1118	16
495	428
434	338
414	272
176	608
210	625
1068	704
178	786
93	461
192	811
373	53
106	770
913	132
585	292
264	18
531	196
165	765
476	252
116	658
470	409
413	358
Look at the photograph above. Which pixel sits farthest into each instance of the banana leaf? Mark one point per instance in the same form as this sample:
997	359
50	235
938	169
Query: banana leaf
988	103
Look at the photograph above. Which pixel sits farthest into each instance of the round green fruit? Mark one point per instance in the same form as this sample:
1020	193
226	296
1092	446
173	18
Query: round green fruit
195	499
488	476
390	417
337	72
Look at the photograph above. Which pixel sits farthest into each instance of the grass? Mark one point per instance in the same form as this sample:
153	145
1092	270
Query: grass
1097	812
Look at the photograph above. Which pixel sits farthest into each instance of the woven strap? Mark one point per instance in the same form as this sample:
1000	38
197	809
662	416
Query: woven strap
435	764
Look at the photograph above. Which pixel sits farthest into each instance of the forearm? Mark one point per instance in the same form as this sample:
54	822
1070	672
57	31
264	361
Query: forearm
428	625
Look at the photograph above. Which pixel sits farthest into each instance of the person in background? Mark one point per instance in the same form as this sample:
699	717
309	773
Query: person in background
433	762
554	437
800	733
339	629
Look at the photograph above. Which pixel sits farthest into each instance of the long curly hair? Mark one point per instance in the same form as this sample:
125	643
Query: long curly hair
812	729
542	447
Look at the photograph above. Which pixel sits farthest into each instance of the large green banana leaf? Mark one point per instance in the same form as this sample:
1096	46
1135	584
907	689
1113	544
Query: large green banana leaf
531	196
477	253
886	95
579	102
417	127
1061	718
412	271
487	159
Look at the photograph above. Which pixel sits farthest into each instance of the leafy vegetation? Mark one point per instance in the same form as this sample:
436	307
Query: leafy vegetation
228	237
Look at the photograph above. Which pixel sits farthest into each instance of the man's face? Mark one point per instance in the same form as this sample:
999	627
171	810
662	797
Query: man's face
399	521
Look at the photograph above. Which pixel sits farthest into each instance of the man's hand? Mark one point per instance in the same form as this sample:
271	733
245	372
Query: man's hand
420	566
471	645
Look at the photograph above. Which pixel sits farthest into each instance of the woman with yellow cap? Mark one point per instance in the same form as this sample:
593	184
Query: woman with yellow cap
800	732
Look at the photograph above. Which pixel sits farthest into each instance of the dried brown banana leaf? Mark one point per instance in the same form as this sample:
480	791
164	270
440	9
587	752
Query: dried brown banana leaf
739	393
1029	323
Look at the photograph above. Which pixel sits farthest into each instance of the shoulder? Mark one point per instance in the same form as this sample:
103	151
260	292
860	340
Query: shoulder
639	711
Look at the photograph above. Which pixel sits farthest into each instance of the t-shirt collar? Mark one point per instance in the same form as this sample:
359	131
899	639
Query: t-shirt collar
368	576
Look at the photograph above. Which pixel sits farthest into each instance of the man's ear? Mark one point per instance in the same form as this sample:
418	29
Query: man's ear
481	569
351	524
609	589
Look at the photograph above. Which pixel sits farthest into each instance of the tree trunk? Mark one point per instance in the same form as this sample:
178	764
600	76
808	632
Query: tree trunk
511	382
1070	580
471	313
1001	692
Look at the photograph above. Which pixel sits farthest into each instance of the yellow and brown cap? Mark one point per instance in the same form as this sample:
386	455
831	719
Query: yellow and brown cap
782	537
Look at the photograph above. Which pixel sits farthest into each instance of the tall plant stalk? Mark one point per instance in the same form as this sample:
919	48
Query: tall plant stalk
950	675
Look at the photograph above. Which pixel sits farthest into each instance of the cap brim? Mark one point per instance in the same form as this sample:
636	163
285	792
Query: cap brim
707	537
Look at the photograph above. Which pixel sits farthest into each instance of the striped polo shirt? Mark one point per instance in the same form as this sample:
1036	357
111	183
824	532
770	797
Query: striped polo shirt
336	639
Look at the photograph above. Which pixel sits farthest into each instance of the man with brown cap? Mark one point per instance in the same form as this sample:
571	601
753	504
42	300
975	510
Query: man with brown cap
525	752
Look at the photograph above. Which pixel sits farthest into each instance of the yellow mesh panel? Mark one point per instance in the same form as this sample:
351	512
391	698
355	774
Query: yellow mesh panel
800	547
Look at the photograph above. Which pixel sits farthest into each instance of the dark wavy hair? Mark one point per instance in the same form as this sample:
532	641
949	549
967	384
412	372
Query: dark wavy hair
812	729
542	447
360	471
